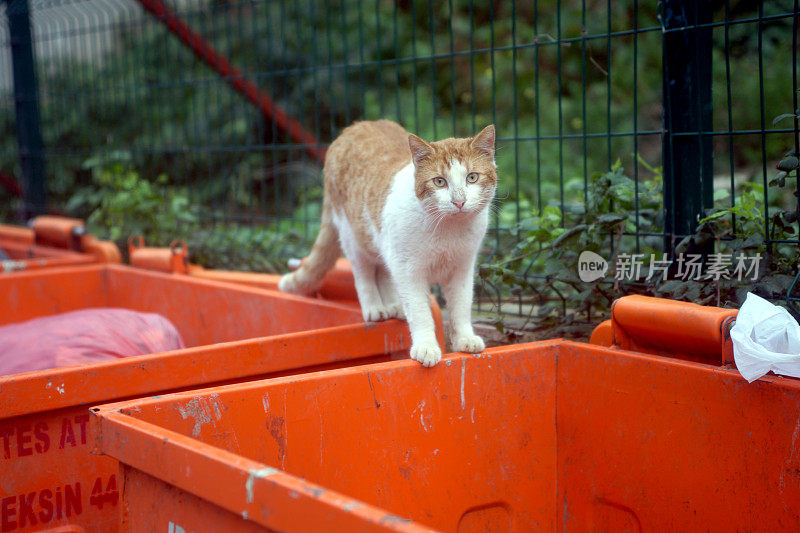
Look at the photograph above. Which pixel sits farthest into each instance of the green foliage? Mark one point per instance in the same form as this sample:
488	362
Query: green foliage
544	260
250	248
122	203
738	231
741	228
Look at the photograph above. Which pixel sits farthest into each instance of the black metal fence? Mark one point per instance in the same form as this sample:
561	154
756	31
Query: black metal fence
224	109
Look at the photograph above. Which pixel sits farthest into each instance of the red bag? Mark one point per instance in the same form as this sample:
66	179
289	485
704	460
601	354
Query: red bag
84	336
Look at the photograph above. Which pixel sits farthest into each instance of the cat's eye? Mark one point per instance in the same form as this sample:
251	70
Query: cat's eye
439	181
472	177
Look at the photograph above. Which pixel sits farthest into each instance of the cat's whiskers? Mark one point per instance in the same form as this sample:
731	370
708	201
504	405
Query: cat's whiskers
434	217
486	202
493	207
434	220
505	197
429	219
441	217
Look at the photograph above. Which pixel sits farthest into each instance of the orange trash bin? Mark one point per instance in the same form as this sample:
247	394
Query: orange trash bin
51	242
547	436
338	284
48	475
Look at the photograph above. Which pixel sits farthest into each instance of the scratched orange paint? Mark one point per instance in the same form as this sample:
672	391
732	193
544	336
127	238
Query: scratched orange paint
48	477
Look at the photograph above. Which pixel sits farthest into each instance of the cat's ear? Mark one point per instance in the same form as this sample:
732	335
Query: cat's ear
420	150
484	141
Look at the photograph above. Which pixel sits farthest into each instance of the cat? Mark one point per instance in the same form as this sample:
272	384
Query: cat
407	214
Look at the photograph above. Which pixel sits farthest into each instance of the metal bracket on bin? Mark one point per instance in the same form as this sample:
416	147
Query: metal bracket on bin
727	343
659	326
174	259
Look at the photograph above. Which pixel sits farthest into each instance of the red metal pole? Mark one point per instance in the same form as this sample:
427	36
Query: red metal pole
204	51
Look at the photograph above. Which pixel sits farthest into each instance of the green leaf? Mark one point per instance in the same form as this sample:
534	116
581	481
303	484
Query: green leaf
741	294
720	195
703	239
693	289
716	215
683	244
553	268
789	163
779	179
781	117
753	241
611	219
575	230
670	287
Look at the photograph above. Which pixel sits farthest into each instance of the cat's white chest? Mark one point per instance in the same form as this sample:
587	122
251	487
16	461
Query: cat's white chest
428	246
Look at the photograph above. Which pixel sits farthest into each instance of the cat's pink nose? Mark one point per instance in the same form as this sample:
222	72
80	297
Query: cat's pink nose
459	203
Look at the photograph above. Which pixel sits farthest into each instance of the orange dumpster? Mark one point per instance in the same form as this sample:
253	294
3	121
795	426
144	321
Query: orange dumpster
547	436
48	477
50	242
338	284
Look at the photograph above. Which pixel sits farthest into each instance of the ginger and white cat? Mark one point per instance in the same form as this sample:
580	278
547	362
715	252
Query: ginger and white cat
407	214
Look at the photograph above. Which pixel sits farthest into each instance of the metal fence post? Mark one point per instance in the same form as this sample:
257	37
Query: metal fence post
26	100
687	144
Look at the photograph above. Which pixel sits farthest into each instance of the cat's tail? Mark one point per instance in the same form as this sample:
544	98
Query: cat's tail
326	250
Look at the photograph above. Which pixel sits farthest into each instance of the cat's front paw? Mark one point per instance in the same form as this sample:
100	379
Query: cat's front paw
375	313
468	343
427	353
396	311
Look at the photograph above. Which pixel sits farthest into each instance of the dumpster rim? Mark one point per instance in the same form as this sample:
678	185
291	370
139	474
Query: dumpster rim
133	436
246	353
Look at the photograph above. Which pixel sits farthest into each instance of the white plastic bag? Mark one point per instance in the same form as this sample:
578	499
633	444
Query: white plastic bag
765	337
